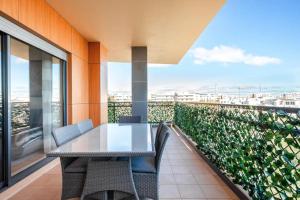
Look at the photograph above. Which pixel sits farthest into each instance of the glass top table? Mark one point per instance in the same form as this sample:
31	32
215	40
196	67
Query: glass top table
110	140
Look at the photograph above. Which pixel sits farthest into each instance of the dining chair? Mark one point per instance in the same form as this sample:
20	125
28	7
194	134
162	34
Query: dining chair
85	125
130	119
146	169
73	168
158	130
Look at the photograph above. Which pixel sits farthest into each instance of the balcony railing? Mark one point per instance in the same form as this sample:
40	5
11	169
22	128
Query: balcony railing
157	111
257	147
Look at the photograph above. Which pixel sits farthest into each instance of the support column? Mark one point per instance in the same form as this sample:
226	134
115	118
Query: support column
97	83
139	82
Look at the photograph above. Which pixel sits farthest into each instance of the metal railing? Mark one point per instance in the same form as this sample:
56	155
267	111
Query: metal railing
258	147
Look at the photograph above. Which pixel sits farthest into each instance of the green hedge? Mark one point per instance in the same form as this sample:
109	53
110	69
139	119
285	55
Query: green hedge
259	150
157	111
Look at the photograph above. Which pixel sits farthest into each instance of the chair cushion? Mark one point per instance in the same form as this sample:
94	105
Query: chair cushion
64	134
77	166
143	164
85	126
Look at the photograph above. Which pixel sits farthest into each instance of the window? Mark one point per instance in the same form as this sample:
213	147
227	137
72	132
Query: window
36	103
1	120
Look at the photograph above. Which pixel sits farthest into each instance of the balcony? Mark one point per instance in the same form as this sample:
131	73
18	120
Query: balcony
54	73
256	149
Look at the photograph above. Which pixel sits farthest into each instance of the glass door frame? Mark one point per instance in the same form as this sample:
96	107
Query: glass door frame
9	180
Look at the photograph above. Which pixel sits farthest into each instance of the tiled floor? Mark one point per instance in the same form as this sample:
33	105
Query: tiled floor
183	175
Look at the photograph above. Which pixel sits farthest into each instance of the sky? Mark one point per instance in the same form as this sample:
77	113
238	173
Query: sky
20	84
252	43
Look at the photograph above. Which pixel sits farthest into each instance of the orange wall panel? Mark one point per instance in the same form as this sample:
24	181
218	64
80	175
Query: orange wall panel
35	14
79	45
94	83
83	110
60	30
80	112
69	114
97	90
10	8
94	52
80	80
94	114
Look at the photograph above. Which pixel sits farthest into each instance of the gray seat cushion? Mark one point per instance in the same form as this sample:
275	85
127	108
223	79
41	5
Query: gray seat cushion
77	166
85	126
143	164
64	134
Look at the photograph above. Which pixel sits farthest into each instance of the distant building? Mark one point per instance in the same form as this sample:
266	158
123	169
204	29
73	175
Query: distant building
254	99
120	97
162	97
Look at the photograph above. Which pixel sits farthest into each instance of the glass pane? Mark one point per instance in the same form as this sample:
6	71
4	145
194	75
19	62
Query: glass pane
57	97
1	119
34	91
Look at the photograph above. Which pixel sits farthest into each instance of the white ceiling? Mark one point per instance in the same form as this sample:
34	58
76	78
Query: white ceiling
167	27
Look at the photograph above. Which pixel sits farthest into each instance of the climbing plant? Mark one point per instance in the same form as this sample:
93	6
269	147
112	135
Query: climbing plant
157	111
258	149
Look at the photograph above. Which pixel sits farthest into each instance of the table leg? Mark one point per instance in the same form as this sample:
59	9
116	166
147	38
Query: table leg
109	176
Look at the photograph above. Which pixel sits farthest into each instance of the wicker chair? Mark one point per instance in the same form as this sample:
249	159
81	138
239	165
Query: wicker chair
85	126
130	119
159	129
146	169
73	169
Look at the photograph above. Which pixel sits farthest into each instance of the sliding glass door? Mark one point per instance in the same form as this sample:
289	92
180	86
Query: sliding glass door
1	121
32	101
36	103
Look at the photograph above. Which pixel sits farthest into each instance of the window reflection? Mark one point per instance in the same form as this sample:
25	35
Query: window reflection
36	103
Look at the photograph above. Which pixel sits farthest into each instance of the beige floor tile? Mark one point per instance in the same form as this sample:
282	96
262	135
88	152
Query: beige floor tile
215	191
195	199
168	191
167	179
184	179
168	199
190	191
38	194
206	179
47	181
166	170
180	170
55	170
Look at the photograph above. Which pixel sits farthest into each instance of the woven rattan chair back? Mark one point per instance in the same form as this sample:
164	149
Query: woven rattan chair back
160	145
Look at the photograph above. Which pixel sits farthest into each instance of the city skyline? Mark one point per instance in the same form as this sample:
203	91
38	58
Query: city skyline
249	50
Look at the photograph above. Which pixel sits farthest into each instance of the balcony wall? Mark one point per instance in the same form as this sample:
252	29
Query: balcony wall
41	19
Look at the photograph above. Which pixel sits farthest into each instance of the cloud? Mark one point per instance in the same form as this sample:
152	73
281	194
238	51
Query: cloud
230	55
159	65
19	60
